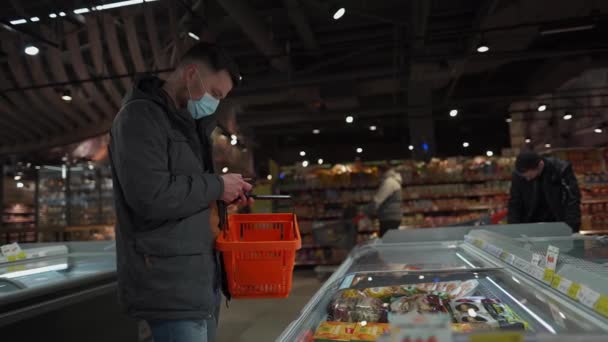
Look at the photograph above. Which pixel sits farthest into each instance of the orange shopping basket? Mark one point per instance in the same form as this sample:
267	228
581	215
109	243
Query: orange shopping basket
259	253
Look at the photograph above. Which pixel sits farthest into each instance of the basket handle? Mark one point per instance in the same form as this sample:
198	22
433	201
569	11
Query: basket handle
264	198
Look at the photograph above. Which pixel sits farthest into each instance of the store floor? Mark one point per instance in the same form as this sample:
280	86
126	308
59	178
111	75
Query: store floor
264	319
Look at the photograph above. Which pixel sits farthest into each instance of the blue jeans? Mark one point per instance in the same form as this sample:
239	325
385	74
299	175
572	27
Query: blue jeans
183	330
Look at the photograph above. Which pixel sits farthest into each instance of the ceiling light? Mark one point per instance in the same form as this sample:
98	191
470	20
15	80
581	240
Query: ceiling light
411	147
547	145
31	50
195	37
118	4
598	130
233	137
17	177
454	113
62	14
66	96
542	107
53	15
359	150
489	153
320	161
528	140
373	128
567	29
339	13
81	10
483	48
509	120
18	22
302	153
225	169
233	142
465	144
316	131
305	163
350	119
269	177
20	185
34	19
567	116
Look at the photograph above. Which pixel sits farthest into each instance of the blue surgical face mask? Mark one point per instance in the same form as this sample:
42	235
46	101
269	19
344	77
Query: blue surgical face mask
204	106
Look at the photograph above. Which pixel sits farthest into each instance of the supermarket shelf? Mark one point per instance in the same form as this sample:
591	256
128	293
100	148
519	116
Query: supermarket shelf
445	210
595	200
5	230
461	195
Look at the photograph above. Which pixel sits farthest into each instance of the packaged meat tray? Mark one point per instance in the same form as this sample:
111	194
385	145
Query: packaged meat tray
334	331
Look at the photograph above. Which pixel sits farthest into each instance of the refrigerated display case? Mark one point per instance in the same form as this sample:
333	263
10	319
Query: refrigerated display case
65	292
478	291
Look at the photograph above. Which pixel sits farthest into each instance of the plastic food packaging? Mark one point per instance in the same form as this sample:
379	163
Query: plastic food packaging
334	331
358	309
481	311
369	332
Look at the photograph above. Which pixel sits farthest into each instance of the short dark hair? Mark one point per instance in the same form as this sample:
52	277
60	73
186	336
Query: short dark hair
526	161
215	57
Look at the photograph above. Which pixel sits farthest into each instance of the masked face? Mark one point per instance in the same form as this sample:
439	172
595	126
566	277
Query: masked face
204	106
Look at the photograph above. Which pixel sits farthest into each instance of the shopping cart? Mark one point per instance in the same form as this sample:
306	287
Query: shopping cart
259	252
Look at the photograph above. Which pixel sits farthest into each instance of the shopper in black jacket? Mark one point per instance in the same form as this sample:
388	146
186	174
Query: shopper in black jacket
544	190
164	186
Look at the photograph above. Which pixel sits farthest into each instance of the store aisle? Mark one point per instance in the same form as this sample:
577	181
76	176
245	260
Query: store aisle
264	319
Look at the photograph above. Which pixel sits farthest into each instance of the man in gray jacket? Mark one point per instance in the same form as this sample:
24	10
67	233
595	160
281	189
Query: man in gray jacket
387	201
164	186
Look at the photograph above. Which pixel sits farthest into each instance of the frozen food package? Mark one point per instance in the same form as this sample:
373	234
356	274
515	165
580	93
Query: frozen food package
403	305
371	310
486	312
334	332
464	289
342	309
369	332
431	304
384	292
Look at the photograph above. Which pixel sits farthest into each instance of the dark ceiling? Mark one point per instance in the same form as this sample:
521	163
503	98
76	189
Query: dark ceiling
398	65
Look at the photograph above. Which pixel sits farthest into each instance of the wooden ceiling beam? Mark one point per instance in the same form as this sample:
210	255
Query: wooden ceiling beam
118	62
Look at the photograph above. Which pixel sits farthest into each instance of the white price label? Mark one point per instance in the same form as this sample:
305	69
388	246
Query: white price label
520	263
495	251
551	258
564	285
536	259
537	272
588	296
10	249
510	259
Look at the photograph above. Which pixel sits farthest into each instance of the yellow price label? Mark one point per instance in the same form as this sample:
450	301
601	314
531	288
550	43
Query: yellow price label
11	258
601	305
548	275
497	337
556	281
478	243
573	290
21	255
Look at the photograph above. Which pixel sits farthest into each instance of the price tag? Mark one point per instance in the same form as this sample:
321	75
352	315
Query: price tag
12	252
557	280
602	305
536	259
551	258
548	275
478	243
537	272
520	263
573	290
588	296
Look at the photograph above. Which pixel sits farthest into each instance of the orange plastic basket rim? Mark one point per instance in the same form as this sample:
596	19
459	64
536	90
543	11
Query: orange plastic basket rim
224	244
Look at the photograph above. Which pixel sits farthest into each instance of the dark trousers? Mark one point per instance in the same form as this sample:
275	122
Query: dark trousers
386	225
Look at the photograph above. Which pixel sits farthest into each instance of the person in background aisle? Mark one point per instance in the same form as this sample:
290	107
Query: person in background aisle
387	201
544	190
165	192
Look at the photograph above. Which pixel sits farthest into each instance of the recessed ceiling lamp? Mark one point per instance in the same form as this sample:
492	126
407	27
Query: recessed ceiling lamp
316	131
489	153
483	48
542	107
454	113
339	13
350	119
568	116
31	50
373	128
67	95
465	144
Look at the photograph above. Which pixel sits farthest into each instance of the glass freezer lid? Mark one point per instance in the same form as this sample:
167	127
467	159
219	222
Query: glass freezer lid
415	257
54	270
476	300
589	249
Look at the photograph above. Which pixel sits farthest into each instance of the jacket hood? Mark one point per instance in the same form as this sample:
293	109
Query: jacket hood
394	175
147	87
